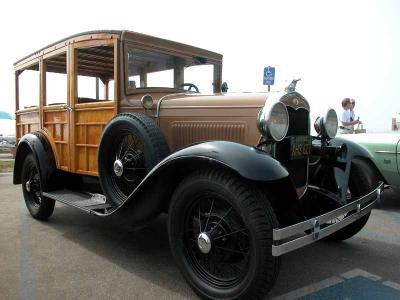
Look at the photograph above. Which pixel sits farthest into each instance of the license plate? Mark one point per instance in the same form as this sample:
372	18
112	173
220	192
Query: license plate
300	146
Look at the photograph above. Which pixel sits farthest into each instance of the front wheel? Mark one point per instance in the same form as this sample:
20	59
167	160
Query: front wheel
39	207
363	180
220	234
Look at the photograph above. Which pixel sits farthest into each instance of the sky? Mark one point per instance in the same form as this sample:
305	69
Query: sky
338	48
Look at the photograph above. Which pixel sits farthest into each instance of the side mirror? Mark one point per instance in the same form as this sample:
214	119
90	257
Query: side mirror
224	87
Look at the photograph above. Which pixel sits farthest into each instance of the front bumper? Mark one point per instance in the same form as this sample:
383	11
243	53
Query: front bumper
301	234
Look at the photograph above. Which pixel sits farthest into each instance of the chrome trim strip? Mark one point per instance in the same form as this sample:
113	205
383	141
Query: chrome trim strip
159	105
387	152
313	224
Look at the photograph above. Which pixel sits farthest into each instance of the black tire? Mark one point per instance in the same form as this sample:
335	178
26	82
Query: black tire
39	207
241	239
363	180
138	143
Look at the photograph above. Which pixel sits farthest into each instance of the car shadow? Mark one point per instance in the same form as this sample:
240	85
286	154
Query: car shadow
143	251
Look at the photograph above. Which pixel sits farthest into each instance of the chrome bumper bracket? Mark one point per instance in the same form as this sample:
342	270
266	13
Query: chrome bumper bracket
293	237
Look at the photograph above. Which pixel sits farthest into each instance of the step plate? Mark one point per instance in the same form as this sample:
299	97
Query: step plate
82	200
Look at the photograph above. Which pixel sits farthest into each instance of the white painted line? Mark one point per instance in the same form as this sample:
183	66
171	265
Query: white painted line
359	272
392	284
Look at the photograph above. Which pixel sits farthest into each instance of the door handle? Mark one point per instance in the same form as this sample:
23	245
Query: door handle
67	107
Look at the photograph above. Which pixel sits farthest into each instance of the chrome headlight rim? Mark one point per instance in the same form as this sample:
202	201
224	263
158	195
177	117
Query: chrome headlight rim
266	124
330	123
147	101
327	126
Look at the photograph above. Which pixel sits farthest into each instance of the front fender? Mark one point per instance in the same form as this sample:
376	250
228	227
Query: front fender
249	162
353	149
156	189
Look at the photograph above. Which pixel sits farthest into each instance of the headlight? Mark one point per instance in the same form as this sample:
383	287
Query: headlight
274	122
331	123
327	126
147	101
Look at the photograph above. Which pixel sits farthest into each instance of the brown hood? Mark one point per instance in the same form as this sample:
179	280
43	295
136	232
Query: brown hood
190	118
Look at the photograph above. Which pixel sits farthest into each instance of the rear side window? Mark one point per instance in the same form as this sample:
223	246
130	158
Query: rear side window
29	87
95	68
56	79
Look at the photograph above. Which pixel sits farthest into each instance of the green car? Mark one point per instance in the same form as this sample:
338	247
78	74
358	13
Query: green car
385	150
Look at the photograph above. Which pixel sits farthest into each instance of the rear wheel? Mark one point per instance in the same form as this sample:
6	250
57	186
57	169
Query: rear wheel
40	207
220	232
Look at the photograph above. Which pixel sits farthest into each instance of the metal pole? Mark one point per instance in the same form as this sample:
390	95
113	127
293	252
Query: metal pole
97	88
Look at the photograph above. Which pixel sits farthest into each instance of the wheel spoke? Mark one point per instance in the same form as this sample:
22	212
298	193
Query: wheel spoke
226	214
209	214
199	220
233	232
231	250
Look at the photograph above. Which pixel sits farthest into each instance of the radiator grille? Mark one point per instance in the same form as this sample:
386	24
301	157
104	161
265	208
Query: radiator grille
298	125
186	133
298	121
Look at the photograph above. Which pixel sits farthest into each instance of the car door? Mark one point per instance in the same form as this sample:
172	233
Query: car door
93	99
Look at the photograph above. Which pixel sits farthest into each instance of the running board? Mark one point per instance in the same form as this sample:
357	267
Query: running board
89	202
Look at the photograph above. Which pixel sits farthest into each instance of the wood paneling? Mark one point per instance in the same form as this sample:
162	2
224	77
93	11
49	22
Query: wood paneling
90	120
55	120
27	121
73	129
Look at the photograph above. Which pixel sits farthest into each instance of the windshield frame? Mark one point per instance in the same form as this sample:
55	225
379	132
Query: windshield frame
129	46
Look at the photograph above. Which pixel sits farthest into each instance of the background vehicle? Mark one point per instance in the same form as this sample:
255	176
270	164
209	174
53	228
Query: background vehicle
385	150
240	176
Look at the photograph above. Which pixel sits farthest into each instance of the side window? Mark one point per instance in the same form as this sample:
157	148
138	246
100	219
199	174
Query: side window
151	69
29	87
56	79
95	68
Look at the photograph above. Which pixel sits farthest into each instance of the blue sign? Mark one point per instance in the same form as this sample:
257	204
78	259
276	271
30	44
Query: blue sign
269	75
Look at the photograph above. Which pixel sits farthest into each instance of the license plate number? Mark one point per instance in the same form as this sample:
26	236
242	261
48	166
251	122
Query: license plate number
300	146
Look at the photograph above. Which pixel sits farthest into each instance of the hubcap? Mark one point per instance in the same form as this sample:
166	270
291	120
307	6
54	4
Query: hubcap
28	186
204	242
118	168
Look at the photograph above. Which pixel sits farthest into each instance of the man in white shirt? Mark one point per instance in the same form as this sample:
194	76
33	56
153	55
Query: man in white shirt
348	121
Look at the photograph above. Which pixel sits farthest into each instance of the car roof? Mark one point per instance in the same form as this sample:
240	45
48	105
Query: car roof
135	37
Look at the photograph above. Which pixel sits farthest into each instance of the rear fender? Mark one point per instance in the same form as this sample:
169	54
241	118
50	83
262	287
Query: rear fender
37	144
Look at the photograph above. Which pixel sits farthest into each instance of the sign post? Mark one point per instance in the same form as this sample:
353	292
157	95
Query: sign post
269	76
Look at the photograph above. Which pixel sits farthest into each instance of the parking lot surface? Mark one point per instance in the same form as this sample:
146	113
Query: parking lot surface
75	255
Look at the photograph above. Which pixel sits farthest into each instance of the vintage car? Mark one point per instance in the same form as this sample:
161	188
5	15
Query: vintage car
144	126
385	150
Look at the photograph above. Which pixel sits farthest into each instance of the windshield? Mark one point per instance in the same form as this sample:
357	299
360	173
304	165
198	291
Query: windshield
148	69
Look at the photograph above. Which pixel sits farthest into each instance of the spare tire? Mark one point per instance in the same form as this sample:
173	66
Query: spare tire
130	146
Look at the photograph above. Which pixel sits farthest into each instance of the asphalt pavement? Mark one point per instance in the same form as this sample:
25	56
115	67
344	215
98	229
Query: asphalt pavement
75	255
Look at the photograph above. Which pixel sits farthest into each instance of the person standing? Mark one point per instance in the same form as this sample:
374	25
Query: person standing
352	113
348	116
